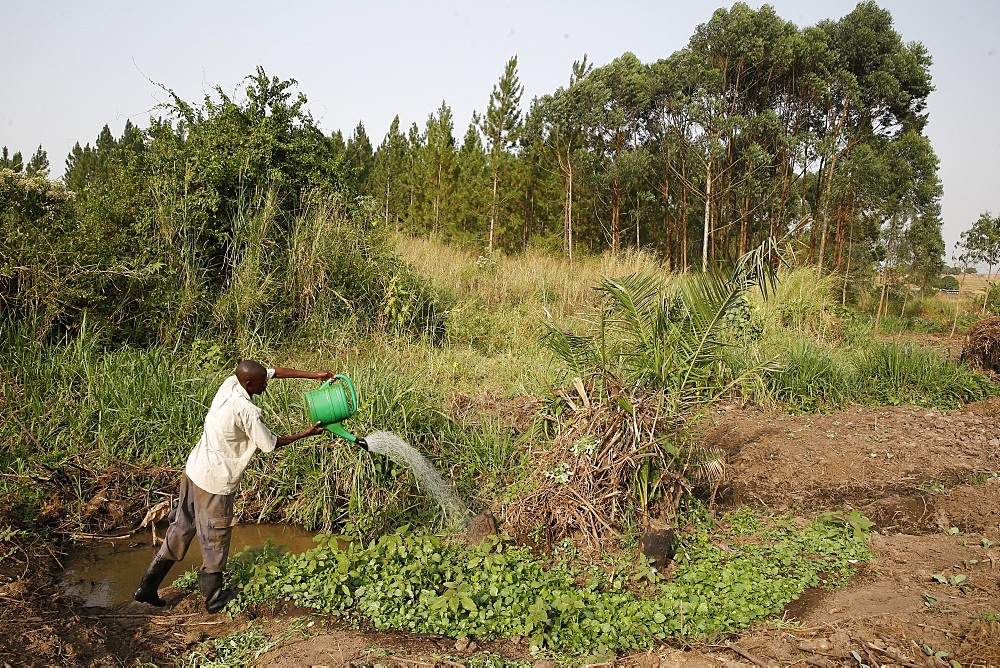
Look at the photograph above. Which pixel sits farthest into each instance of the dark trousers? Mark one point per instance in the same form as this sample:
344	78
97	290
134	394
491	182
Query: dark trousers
208	515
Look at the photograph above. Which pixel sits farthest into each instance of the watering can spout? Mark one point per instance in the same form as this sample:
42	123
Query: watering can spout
338	430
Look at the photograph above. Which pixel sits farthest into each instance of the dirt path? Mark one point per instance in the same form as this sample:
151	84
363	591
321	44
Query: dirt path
926	477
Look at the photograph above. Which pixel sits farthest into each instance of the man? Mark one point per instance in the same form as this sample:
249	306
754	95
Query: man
234	430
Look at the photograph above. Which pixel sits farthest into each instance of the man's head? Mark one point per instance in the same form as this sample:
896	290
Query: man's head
252	376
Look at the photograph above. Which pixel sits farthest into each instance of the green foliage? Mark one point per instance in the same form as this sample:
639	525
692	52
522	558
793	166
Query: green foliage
812	377
947	282
670	337
43	257
414	582
981	242
878	373
891	374
240	648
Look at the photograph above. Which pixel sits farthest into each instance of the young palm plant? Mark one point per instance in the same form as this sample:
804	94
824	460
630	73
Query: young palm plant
669	335
653	361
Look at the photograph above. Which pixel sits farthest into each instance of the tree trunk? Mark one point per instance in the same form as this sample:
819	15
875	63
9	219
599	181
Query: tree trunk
616	217
847	272
566	166
708	216
683	217
986	297
493	207
665	189
744	225
885	272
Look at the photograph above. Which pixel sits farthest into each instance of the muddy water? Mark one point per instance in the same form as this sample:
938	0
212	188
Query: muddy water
105	574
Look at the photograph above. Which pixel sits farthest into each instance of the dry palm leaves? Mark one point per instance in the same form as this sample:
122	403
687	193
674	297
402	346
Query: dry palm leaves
613	461
982	345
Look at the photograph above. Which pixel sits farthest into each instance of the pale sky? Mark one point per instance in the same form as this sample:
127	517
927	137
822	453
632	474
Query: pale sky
69	68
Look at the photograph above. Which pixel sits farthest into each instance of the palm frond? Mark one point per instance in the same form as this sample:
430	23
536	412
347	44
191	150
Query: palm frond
580	353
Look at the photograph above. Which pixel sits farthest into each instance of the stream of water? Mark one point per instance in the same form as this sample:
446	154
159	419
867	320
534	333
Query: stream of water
392	446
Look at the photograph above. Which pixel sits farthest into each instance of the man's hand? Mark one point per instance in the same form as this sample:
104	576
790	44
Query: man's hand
325	375
314	430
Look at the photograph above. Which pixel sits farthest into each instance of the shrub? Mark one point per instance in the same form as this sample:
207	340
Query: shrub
948	282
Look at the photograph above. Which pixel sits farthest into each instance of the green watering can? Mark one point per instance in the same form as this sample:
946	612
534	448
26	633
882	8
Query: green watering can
329	405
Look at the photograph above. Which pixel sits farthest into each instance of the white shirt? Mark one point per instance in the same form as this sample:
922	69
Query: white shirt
234	430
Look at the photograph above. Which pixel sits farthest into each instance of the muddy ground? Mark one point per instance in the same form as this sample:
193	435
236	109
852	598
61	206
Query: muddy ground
924	476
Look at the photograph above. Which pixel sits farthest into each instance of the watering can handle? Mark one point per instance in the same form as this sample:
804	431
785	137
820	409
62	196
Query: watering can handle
350	387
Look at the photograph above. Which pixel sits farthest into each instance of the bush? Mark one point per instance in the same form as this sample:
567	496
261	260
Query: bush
947	283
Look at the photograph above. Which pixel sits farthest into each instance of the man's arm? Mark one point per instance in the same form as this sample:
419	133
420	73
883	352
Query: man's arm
282	372
314	430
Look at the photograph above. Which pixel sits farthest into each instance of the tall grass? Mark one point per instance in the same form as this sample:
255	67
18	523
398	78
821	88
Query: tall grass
550	284
830	356
77	403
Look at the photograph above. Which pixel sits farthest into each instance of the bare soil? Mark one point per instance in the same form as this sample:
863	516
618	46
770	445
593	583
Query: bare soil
924	476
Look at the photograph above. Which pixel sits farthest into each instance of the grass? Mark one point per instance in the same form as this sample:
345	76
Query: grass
78	402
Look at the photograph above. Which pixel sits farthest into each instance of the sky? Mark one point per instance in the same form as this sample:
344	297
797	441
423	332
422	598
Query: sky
69	68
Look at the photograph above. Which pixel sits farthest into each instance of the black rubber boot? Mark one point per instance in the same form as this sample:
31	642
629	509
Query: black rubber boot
151	579
216	597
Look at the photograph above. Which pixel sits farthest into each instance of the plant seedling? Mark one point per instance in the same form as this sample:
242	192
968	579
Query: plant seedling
954	581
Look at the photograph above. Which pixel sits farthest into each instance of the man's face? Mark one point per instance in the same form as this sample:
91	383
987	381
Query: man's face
256	385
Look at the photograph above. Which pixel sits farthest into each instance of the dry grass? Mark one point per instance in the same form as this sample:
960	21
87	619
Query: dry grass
607	470
982	345
534	276
975	283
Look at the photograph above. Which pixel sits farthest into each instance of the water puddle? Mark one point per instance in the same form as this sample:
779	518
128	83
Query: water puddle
105	574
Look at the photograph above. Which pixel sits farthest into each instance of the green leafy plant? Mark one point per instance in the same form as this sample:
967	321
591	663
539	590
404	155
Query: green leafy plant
958	580
415	582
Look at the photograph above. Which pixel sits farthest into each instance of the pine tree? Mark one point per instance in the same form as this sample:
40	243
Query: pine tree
39	163
388	179
502	128
470	200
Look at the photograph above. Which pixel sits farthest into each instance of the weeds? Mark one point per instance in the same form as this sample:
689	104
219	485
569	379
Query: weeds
241	648
414	582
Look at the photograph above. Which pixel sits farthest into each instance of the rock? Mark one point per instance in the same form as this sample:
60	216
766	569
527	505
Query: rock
479	528
543	663
462	644
822	645
841	642
658	544
472	647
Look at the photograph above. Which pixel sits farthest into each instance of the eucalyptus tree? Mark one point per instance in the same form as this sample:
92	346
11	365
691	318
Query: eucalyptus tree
566	118
619	132
909	202
878	90
981	244
502	126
